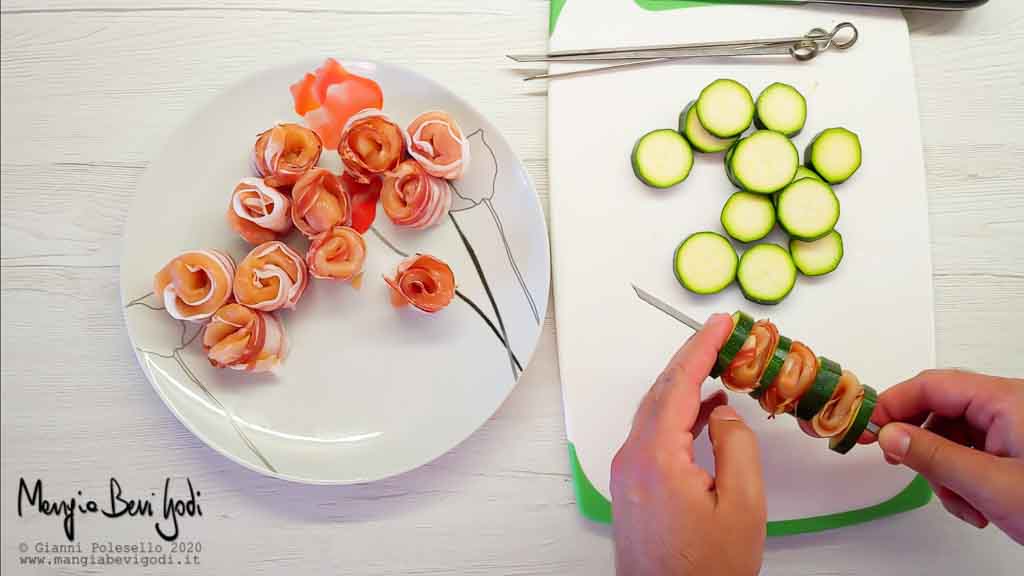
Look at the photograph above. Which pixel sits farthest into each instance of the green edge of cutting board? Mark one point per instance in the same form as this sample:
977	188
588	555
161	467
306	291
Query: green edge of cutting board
557	5
597	508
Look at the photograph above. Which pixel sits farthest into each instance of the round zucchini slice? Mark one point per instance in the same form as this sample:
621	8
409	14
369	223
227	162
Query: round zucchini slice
773	367
725	108
699	138
817	257
845	442
834	154
764	162
805	172
781	108
821	391
662	158
705	263
808	209
748	217
741	325
766	274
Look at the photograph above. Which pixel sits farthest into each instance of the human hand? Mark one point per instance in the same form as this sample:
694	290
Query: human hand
964	432
671	516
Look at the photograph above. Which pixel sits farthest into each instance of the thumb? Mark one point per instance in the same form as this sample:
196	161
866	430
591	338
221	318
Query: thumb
974	475
739	481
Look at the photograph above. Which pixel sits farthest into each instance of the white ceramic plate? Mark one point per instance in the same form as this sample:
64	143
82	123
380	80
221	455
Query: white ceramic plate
367	390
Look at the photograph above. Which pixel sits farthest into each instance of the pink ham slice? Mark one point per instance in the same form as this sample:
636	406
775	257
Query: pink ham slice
244	339
437	142
272	276
194	284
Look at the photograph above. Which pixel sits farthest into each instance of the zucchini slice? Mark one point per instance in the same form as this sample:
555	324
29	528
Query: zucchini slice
741	325
829	364
705	263
817	257
808	209
773	367
766	274
764	162
845	441
835	154
821	391
748	217
805	172
699	138
662	158
781	108
725	108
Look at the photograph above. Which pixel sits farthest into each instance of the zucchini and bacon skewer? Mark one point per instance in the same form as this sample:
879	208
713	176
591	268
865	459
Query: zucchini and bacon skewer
787	378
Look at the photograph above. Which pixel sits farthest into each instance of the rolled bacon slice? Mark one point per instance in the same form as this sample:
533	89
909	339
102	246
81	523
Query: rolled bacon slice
371	143
437	142
796	376
244	339
194	284
744	372
841	408
412	198
422	281
338	254
284	153
259	213
320	202
272	276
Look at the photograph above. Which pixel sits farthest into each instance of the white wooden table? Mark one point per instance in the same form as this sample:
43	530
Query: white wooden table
91	89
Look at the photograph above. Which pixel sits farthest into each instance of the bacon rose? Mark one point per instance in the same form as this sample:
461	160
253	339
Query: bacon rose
194	284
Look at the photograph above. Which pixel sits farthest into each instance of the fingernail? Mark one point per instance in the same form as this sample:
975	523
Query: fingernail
894	442
725	412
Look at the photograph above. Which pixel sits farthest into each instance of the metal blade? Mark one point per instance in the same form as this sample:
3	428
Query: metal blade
667	309
873	428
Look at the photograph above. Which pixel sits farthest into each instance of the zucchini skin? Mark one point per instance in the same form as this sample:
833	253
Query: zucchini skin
741	325
820	392
846	442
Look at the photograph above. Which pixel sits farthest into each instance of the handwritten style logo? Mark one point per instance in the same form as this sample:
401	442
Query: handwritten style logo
117	506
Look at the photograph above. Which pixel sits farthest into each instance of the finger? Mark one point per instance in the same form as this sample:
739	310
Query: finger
706	407
738	476
959	507
676	393
948	393
954	430
974	475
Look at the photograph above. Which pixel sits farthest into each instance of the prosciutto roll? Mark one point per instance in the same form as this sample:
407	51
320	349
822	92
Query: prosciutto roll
422	281
194	284
272	276
796	376
259	213
320	202
412	198
371	144
437	142
336	254
244	339
746	368
835	417
284	153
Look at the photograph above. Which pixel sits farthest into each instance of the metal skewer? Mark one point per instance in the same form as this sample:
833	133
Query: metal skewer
696	325
801	48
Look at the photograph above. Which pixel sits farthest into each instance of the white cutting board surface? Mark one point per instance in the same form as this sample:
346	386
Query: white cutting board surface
873	315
